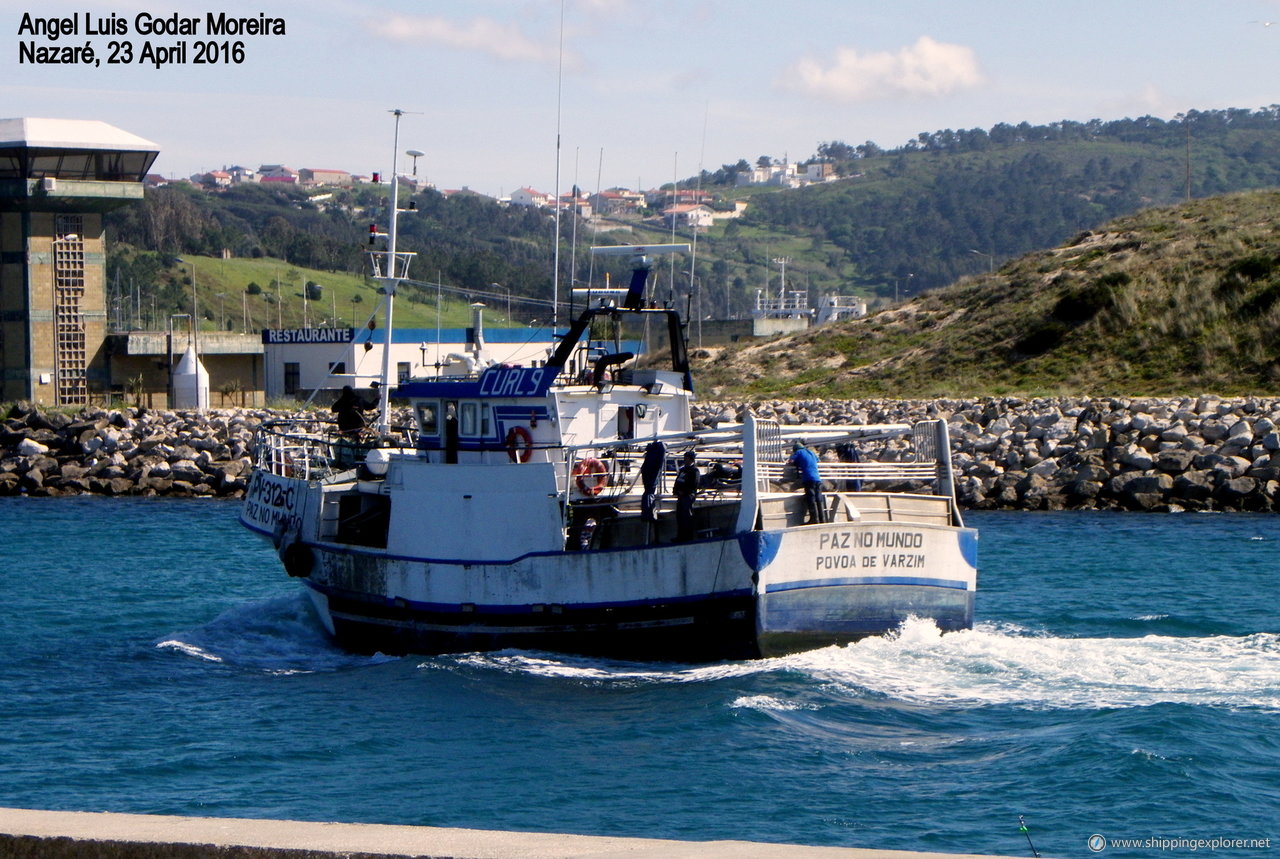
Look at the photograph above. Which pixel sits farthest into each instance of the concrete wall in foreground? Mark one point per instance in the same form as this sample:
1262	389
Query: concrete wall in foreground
65	834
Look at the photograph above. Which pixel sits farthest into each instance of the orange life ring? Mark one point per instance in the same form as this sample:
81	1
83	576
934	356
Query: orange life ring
591	476
519	444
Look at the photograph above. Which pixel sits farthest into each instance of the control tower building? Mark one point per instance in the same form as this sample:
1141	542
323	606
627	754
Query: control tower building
57	178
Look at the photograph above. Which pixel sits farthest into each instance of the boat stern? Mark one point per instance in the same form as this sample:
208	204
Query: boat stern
832	584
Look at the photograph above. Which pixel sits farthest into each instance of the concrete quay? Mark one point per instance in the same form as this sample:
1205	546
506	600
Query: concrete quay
28	834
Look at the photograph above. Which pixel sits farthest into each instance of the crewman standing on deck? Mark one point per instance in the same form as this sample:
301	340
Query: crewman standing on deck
348	408
685	490
806	462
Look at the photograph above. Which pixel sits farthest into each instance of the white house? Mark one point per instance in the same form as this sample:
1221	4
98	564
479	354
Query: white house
529	197
688	215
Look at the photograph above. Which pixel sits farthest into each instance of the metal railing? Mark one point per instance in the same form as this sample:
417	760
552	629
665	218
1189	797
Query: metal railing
310	448
929	462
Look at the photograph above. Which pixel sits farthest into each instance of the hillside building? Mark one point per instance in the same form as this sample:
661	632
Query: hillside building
312	176
530	197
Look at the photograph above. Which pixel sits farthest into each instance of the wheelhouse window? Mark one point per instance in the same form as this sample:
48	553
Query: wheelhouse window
468	422
428	418
402	371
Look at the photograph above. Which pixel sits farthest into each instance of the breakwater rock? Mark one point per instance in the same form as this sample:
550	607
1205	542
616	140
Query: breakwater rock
127	452
1158	454
1191	453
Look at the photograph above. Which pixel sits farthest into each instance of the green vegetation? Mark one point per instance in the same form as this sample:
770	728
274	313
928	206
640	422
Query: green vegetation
282	234
227	299
952	203
1170	300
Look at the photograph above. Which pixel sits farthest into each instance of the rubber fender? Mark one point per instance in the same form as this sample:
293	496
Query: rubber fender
297	560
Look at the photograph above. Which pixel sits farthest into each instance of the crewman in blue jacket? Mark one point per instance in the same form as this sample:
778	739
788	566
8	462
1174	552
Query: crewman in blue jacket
806	462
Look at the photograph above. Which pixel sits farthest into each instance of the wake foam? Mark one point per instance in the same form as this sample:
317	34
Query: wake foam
993	664
588	670
276	636
1005	665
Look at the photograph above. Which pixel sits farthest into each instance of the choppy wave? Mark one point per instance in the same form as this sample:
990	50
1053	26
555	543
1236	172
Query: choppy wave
993	664
278	636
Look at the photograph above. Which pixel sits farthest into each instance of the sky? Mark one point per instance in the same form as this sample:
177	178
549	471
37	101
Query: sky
636	92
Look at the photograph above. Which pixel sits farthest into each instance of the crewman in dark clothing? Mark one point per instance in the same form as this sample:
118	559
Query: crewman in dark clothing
655	461
685	490
348	407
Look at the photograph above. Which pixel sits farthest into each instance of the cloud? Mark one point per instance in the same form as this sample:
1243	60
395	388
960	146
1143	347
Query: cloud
483	35
927	68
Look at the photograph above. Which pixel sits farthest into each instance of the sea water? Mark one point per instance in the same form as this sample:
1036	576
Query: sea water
1123	681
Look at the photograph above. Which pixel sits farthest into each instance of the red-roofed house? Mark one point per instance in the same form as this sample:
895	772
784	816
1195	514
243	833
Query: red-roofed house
686	214
529	197
277	173
617	201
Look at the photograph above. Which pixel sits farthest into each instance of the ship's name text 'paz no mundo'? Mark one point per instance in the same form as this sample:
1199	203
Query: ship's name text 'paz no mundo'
45	32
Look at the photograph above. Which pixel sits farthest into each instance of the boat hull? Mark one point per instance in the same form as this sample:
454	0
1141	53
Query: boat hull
716	627
759	593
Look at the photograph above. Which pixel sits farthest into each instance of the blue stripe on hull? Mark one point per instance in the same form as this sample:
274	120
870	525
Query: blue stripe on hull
913	581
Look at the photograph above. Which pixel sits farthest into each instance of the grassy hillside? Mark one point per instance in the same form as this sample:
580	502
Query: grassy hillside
1170	300
227	301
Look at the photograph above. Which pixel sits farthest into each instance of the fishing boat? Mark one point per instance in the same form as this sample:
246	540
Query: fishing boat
572	506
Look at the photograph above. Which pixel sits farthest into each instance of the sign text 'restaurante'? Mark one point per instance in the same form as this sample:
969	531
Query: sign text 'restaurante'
273	336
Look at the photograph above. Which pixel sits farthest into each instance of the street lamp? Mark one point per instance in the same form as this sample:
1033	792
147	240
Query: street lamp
897	281
991	260
222	316
195	310
507	289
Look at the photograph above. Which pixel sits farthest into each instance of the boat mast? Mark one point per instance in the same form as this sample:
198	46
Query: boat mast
390	282
555	274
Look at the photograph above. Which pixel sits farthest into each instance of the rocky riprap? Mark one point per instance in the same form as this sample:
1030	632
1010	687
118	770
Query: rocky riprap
1192	453
127	452
1159	454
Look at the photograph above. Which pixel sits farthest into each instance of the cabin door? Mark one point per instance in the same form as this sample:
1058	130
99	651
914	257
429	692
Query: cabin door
451	431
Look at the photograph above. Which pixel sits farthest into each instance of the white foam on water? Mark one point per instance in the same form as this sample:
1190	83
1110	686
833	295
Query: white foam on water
995	665
768	702
588	669
276	636
188	650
